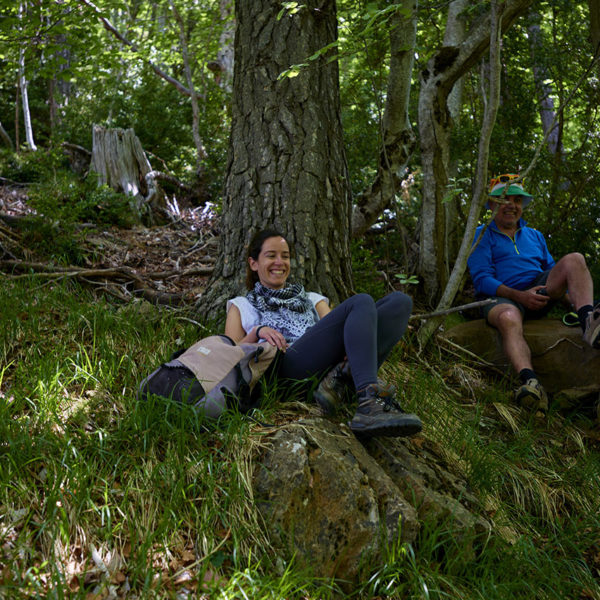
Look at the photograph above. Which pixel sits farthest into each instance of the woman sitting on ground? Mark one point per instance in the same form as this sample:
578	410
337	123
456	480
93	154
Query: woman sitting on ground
351	341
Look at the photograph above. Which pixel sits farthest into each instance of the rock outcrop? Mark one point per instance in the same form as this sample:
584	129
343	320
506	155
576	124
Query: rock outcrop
560	357
337	504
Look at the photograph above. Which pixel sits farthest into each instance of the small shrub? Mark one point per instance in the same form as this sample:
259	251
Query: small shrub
67	199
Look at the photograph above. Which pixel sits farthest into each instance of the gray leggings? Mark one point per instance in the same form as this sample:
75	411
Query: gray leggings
359	328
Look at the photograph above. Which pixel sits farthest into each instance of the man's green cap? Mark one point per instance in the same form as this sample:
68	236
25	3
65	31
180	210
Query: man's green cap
513	189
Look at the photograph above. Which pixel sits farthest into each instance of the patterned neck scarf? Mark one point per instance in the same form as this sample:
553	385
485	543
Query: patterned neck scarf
288	310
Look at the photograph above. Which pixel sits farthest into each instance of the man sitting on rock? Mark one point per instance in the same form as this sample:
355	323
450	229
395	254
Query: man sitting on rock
512	264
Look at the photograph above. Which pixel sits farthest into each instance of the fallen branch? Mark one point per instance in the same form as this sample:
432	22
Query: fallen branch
447	311
122	274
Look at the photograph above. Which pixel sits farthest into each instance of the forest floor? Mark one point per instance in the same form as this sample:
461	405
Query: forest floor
105	496
169	264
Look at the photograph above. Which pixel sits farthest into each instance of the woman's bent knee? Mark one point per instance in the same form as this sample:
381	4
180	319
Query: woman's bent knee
361	301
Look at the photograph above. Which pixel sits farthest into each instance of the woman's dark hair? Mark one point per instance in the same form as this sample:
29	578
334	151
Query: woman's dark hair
254	248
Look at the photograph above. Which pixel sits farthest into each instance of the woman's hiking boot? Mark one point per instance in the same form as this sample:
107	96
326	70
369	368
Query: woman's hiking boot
532	396
337	388
334	388
378	413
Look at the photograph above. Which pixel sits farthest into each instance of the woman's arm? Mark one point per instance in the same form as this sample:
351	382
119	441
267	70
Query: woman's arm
234	330
322	308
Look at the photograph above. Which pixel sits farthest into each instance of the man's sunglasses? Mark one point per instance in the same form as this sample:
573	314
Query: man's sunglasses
504	179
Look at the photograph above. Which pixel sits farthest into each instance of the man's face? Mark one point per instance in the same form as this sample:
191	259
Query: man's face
508	214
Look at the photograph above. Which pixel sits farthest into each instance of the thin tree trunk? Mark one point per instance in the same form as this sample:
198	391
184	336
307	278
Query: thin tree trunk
454	34
443	70
594	8
286	166
479	195
544	91
200	150
23	86
398	140
6	138
225	57
17	120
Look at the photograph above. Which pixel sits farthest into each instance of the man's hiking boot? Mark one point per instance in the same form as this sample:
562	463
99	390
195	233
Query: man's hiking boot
532	396
591	333
378	413
333	389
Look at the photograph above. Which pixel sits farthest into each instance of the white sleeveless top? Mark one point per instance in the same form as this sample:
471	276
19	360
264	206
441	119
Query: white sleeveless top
251	317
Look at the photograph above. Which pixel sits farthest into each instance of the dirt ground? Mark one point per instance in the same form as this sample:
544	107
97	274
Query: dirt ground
173	259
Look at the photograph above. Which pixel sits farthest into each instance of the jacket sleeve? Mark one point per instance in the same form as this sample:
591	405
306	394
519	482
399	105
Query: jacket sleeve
481	267
547	257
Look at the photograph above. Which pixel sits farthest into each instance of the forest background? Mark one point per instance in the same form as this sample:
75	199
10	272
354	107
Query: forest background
433	99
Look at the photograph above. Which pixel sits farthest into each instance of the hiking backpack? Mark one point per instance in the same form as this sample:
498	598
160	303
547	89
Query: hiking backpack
213	374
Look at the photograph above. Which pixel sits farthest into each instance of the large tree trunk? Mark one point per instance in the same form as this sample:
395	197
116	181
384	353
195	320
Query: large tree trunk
286	165
120	162
442	71
398	137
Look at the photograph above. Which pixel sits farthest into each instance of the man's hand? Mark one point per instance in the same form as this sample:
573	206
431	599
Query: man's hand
531	298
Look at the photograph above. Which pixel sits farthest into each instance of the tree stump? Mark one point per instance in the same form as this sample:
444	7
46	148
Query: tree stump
120	162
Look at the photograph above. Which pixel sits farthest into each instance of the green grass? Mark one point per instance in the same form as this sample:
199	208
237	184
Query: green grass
100	493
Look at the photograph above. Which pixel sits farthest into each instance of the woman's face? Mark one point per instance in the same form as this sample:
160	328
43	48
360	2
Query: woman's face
273	263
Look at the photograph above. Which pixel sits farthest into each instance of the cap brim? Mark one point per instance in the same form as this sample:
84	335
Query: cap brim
511	190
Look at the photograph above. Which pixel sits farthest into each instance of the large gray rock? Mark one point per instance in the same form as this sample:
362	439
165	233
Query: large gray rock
334	502
560	357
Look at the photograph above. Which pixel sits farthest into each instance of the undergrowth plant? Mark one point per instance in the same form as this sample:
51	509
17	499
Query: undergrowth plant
102	495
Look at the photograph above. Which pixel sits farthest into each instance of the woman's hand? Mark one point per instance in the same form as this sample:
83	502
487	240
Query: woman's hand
273	337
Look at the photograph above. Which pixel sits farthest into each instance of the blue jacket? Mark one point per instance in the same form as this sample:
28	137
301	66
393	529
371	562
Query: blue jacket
500	259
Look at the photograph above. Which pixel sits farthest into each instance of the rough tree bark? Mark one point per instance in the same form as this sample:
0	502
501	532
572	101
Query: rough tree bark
287	165
120	162
398	137
442	71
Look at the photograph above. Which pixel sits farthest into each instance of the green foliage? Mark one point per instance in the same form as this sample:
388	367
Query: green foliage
51	240
364	269
68	200
32	167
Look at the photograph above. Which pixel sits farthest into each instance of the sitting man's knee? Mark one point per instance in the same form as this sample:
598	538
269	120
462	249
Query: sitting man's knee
507	318
574	259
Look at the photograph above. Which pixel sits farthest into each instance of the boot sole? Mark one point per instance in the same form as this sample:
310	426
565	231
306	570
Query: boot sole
404	428
531	401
